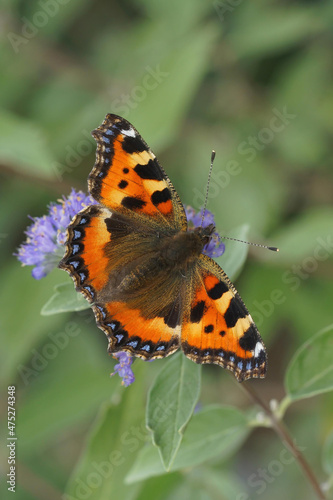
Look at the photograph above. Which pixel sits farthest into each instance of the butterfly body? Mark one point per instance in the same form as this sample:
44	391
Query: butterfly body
133	257
182	249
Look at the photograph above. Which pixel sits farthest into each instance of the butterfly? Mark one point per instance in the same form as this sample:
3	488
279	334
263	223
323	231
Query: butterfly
133	257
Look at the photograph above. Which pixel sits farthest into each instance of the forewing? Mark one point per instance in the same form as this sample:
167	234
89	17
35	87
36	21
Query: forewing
127	177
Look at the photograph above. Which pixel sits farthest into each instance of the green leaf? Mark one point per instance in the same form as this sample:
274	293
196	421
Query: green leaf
181	76
304	80
64	380
30	153
22	326
117	434
327	457
310	372
308	237
219	483
235	255
273	31
65	299
215	431
171	402
160	488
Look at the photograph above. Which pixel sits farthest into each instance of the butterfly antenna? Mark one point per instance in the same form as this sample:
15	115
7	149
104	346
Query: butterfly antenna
274	249
212	158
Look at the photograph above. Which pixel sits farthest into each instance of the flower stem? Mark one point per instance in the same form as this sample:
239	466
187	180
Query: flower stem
281	430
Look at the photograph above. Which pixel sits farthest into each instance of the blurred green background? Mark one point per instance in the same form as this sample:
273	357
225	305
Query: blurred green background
253	80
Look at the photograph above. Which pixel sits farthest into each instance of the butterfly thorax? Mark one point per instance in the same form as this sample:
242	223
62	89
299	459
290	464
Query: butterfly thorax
184	247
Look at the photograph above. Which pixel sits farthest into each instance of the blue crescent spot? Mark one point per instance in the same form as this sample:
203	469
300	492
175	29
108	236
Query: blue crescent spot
77	234
75	249
89	289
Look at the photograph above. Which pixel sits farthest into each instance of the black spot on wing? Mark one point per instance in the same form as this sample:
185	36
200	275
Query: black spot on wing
222	333
122	184
249	339
149	171
171	313
132	203
161	196
209	328
197	312
234	312
173	318
218	290
133	145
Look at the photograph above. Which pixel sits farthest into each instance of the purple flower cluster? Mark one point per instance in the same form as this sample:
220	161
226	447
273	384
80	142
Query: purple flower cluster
46	237
215	248
123	368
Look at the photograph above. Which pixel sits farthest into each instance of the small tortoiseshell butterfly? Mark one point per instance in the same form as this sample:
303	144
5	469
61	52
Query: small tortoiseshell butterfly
151	288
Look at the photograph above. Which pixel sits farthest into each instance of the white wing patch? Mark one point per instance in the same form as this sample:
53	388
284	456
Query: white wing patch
258	348
130	132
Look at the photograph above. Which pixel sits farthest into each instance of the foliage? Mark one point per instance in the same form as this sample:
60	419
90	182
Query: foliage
253	80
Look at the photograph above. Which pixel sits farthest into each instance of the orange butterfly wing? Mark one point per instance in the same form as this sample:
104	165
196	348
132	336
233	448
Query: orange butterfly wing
217	328
128	178
101	247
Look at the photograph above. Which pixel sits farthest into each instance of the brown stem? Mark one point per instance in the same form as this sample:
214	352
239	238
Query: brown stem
281	430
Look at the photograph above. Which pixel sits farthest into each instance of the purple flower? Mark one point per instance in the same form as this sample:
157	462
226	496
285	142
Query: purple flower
46	237
123	368
215	248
